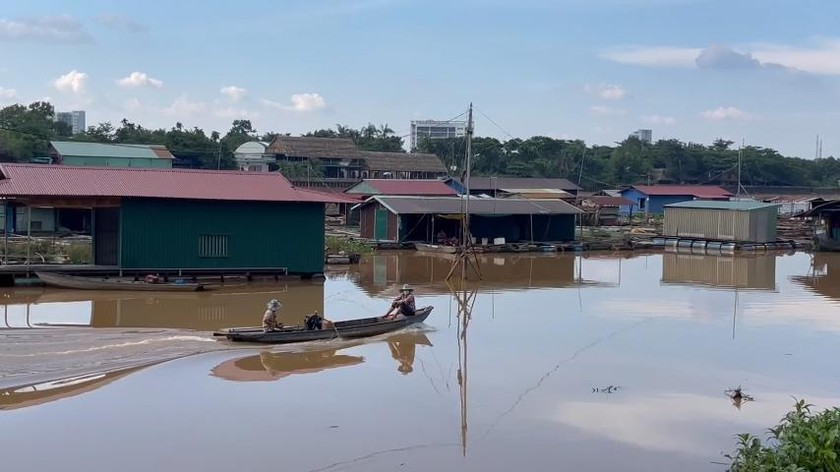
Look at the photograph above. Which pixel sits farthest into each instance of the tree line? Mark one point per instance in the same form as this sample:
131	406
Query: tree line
25	132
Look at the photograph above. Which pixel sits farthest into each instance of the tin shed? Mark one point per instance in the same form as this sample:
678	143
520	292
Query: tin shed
741	221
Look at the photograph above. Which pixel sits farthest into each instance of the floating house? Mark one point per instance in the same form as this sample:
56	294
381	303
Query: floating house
428	187
828	216
601	210
736	221
652	199
180	221
535	187
73	153
421	219
341	164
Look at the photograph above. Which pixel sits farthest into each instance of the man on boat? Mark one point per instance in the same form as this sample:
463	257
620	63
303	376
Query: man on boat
316	321
405	303
270	321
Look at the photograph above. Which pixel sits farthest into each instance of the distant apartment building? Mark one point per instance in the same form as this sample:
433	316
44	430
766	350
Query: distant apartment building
431	129
75	120
644	135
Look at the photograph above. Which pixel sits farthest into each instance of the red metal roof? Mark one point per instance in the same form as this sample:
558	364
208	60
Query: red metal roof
699	191
410	187
20	180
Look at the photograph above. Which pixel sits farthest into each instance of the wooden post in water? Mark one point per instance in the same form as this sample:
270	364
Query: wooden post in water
28	233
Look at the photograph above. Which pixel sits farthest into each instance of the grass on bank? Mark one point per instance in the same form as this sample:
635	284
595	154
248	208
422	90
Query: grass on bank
802	442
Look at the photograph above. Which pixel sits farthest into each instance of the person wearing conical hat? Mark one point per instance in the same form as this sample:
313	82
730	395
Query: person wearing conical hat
270	321
404	302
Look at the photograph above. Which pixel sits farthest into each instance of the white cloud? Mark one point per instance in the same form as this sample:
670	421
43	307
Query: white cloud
726	113
613	92
120	22
233	113
184	108
658	120
47	28
73	82
300	102
658	56
234	93
140	79
133	105
822	57
8	93
607	111
308	101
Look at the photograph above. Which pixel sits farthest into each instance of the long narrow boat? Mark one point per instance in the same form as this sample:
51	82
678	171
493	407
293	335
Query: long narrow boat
359	328
438	248
101	283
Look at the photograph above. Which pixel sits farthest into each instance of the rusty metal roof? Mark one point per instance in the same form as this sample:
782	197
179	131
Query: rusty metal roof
33	180
699	191
478	206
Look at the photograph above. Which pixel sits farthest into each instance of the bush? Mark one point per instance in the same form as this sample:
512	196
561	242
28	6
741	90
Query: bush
802	442
349	246
80	253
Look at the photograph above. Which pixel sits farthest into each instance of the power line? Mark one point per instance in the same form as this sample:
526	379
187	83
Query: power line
497	124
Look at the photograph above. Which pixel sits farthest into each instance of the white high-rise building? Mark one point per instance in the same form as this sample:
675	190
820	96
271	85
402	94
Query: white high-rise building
644	135
75	120
431	129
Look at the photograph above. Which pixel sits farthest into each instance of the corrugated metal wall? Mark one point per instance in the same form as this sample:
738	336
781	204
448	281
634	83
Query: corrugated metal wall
166	234
758	226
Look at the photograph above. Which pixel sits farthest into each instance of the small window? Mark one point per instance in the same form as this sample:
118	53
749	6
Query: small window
213	245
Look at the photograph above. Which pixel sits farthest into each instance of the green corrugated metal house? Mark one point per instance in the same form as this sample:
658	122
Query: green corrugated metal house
183	221
72	153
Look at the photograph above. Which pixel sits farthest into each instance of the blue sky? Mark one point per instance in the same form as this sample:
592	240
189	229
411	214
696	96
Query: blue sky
766	72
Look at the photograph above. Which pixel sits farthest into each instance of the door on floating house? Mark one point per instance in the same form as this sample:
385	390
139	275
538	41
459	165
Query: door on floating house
380	231
106	233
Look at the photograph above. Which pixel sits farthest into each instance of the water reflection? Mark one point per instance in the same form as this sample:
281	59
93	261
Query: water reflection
380	275
270	366
205	311
823	277
45	392
743	272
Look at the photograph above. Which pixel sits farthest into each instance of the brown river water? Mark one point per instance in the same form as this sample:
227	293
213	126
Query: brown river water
567	362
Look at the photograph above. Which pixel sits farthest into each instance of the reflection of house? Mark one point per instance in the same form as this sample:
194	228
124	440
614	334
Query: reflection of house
824	278
77	153
166	219
654	198
208	311
421	218
505	186
745	272
742	221
384	274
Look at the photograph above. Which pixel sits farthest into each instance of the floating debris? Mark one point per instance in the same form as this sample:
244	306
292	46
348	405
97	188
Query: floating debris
610	389
738	396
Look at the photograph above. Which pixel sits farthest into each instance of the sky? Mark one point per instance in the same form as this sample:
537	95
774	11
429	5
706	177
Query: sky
766	73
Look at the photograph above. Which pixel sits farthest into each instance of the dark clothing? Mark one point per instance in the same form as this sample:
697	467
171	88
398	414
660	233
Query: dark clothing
314	322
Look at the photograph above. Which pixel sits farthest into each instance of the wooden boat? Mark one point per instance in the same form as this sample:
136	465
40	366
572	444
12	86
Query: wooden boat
102	283
359	328
437	248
